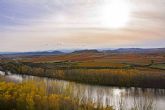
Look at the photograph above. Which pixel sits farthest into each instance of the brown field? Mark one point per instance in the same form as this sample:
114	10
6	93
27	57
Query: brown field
124	69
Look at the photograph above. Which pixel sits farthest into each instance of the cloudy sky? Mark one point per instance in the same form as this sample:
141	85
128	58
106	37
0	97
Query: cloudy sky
32	25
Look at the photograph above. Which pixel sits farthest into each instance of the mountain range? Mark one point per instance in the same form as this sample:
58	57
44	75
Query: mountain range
120	50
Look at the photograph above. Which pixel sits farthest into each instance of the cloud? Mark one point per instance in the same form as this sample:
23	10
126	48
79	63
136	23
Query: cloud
44	24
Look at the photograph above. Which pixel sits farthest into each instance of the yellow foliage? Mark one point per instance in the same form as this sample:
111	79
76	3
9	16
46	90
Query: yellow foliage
33	96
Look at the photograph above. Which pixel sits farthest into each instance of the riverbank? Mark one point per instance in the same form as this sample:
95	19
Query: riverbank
130	77
32	95
118	98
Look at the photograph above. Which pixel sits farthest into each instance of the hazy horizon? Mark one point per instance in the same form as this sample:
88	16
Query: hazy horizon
76	49
38	25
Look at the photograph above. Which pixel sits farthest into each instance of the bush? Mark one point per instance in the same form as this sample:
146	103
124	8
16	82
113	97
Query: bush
33	96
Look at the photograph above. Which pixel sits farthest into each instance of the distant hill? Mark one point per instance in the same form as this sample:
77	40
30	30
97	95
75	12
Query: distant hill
85	51
42	53
136	50
92	51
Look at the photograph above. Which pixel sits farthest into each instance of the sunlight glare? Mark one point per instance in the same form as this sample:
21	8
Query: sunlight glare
115	14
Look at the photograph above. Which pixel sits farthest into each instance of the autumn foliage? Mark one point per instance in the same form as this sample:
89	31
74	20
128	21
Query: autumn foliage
33	96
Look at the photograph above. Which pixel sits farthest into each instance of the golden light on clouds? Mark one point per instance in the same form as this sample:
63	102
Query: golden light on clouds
66	24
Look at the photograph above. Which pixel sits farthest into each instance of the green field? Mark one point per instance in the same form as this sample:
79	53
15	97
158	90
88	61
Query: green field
159	66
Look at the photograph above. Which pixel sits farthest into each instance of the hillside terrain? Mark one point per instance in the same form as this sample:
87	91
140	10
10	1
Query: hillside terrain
121	67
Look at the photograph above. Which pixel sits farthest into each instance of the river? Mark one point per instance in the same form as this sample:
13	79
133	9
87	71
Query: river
100	95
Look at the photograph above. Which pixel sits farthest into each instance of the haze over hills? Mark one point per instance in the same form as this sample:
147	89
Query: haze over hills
40	53
94	51
137	50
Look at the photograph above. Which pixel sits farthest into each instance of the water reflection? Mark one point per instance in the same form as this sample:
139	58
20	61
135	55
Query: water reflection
2	73
14	78
101	95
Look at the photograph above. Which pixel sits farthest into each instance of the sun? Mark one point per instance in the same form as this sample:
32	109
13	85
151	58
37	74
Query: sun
115	14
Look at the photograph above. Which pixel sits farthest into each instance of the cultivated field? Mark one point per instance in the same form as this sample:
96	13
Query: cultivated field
111	69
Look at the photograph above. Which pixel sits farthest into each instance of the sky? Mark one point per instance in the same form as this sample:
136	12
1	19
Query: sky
36	25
